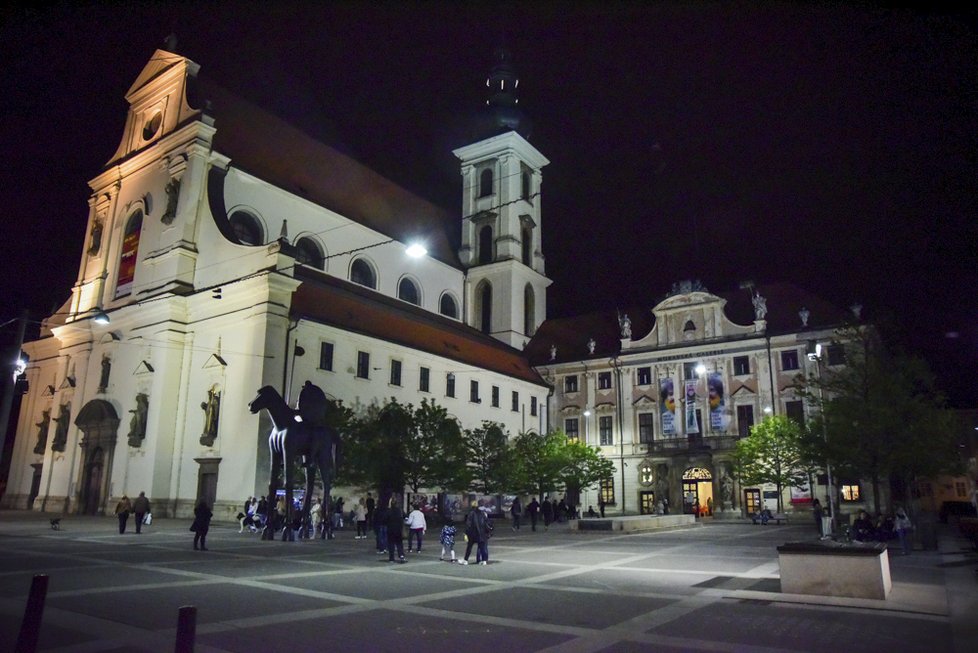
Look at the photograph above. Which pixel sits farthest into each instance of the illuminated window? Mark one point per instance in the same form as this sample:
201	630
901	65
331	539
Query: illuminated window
571	429
850	491
960	489
607	491
645	474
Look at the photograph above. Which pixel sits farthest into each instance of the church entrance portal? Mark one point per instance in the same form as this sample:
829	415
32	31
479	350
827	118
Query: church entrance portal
99	423
697	491
92	489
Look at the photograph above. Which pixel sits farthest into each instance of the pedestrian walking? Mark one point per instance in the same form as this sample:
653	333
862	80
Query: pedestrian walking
360	515
548	513
417	526
533	510
316	515
601	504
202	523
122	510
903	526
516	510
818	514
477	530
447	539
380	528
395	529
371	507
140	508
338	513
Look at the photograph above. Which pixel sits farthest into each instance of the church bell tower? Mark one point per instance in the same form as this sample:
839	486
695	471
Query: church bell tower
502	250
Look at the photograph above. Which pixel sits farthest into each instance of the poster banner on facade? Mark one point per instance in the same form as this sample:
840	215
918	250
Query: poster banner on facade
692	425
667	406
801	494
127	264
714	383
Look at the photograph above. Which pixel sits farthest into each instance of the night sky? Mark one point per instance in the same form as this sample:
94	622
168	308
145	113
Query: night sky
831	146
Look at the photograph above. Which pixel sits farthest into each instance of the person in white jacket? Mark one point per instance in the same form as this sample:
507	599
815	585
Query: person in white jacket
417	526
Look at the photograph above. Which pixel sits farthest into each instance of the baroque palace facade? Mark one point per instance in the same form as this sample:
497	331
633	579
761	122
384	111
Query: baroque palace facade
227	250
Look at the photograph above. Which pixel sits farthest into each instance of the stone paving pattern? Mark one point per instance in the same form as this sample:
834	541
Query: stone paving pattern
711	587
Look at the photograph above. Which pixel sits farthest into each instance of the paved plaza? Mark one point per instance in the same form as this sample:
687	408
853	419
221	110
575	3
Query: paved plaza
712	587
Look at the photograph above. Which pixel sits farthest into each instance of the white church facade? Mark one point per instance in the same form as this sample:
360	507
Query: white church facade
227	250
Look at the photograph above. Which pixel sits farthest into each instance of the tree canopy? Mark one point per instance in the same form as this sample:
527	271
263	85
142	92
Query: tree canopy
772	453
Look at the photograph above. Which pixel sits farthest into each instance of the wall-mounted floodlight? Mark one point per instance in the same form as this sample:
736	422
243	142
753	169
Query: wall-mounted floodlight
416	250
701	369
100	317
587	413
814	351
768	410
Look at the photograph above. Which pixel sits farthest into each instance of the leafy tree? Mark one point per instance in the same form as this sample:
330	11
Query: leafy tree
435	451
885	418
492	462
550	462
771	454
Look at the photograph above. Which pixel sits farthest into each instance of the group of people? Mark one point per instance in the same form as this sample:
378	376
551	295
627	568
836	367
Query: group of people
884	528
140	508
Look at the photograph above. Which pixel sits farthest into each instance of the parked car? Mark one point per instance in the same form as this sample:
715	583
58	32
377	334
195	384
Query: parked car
957	509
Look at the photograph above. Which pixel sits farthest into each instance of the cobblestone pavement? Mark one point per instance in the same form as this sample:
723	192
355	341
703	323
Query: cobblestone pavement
712	587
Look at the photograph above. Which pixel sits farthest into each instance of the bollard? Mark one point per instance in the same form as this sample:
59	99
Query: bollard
30	627
186	629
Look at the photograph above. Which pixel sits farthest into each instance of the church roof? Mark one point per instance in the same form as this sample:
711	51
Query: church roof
271	149
571	334
345	305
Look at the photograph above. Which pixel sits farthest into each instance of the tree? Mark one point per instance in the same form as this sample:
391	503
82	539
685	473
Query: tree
885	418
492	462
550	462
771	454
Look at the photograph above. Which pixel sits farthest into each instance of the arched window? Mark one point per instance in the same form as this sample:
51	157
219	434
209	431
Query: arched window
363	274
527	246
130	249
485	245
529	310
407	291
448	307
525	189
485	308
308	252
246	228
485	182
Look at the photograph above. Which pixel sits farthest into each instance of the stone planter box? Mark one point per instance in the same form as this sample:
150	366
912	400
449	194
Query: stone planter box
633	524
834	569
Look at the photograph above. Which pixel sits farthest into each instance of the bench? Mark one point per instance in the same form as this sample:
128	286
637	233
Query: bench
760	518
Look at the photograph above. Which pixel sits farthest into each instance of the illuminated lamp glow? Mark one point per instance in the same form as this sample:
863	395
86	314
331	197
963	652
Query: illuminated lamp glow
416	250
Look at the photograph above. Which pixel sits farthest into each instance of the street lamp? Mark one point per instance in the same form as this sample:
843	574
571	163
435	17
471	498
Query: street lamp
815	355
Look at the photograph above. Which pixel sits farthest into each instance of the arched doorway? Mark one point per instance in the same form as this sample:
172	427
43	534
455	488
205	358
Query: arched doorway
697	491
99	424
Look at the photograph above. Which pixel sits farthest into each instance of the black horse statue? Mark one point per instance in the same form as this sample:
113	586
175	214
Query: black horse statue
302	432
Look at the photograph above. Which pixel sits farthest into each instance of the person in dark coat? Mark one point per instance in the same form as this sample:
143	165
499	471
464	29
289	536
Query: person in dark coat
517	511
122	510
548	513
140	507
395	531
477	531
202	523
532	510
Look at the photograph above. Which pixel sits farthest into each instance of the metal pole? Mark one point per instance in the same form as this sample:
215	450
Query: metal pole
186	629
30	627
825	436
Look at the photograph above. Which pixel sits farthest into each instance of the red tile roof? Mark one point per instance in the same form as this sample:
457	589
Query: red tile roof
329	300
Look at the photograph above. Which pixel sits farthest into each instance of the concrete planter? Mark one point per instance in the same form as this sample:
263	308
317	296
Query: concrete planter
834	569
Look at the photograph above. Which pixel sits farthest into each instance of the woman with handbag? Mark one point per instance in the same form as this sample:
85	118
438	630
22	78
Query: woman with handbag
202	523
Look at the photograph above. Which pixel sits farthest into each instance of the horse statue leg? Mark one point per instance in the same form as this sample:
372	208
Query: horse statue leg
326	473
288	534
307	501
271	516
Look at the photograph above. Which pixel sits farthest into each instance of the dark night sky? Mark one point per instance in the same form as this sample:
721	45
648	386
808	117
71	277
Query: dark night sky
832	146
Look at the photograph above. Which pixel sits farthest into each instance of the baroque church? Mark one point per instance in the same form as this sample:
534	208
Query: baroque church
227	250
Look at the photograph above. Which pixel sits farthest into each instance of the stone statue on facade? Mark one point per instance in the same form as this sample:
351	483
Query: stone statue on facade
760	306
662	484
553	352
726	489
42	432
212	413
626	326
591	345
172	193
137	425
103	382
63	420
95	244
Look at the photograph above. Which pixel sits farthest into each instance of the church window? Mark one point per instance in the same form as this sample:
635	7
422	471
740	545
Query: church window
570	383
247	229
485	245
485	182
395	372
448	307
361	273
789	359
449	385
604	380
485	308
529	310
741	365
326	356
645	428
795	410
308	252
525	185
424	379
363	365
644	376
527	246
152	125
474	392
605	430
533	406
571	429
516	401
745	420
494	397
407	291
130	249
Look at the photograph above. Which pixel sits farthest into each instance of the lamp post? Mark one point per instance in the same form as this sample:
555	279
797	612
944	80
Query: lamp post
815	355
9	383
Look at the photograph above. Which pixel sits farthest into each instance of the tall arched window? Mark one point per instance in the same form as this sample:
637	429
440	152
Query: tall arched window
525	186
448	307
485	182
485	245
529	310
130	249
407	291
246	228
308	252
361	273
485	308
527	246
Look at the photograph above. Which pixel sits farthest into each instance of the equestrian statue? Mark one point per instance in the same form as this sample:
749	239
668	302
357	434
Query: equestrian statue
297	432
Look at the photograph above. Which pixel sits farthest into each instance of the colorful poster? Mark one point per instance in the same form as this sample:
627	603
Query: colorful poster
714	383
127	262
667	406
692	425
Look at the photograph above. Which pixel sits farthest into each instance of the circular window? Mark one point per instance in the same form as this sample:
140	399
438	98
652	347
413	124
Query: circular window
152	126
246	228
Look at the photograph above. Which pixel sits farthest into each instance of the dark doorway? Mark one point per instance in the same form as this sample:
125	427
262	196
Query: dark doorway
92	483
35	485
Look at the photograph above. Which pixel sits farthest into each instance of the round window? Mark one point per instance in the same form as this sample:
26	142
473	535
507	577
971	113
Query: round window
152	126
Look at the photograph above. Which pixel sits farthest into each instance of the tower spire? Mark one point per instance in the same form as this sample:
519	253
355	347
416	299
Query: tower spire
502	99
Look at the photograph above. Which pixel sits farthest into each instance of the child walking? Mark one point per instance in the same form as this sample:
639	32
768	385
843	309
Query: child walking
448	540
